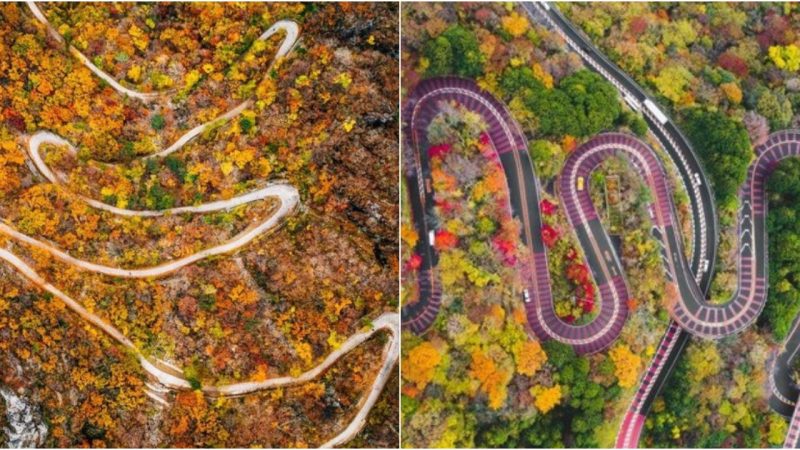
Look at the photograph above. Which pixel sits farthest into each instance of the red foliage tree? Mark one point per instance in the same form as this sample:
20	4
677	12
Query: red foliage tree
775	30
414	262
733	64
587	302
549	235
445	206
578	273
547	207
440	150
445	240
15	120
637	26
506	248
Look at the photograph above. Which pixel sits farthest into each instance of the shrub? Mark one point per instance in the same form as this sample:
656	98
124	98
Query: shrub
724	148
454	52
157	122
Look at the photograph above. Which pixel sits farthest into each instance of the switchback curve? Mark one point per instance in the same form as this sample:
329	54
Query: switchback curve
166	375
689	308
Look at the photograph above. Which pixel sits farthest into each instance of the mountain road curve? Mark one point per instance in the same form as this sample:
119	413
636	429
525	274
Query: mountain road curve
691	313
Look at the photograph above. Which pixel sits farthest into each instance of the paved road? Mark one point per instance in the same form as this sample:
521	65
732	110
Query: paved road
290	28
690	310
704	220
420	315
511	146
690	170
734	316
420	108
166	376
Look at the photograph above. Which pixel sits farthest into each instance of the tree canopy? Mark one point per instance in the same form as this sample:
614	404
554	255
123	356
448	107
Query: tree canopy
783	227
454	52
724	148
581	105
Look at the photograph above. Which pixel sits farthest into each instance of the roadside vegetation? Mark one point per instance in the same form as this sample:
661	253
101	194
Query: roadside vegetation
323	119
783	227
728	72
478	377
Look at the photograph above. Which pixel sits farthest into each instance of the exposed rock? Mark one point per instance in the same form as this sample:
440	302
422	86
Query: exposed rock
25	427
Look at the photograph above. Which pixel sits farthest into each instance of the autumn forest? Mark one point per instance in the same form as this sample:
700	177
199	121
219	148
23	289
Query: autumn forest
399	224
198	237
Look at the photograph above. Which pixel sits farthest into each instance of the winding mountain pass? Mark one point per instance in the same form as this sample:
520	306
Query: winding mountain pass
704	236
689	309
164	375
704	219
511	146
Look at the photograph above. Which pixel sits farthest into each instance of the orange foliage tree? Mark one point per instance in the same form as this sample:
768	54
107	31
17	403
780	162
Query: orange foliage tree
420	364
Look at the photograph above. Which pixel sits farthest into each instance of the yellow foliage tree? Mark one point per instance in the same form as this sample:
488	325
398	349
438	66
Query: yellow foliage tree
732	91
705	361
10	159
542	75
786	57
420	364
409	235
493	380
626	365
546	399
529	357
515	24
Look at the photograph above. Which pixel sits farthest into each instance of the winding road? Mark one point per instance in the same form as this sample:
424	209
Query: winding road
704	236
689	309
509	143
164	375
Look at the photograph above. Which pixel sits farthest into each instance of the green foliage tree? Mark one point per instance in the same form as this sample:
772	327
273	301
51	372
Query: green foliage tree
547	432
582	412
724	148
454	52
581	105
783	227
506	434
157	122
439	53
520	81
547	158
639	126
594	100
680	407
776	108
635	122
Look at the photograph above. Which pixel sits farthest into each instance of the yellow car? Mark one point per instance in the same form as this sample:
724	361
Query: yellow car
580	183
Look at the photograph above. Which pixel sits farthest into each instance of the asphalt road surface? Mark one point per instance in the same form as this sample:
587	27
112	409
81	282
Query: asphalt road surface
704	220
164	376
690	310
